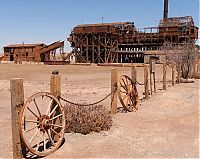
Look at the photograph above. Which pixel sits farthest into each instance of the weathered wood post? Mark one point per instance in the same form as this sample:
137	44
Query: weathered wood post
55	85
55	89
152	73
17	102
179	72
173	74
151	83
154	82
114	81
164	76
134	74
146	82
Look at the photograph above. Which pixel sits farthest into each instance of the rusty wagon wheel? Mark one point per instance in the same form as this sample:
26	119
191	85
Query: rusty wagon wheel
42	124
127	93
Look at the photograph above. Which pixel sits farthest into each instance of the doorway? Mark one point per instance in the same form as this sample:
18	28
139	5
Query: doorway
11	57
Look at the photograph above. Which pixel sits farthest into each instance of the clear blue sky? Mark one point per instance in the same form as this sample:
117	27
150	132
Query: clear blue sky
45	21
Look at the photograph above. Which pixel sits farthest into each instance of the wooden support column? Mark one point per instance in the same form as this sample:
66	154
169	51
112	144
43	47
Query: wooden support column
81	50
164	77
92	49
146	82
87	49
17	102
134	74
179	72
106	49
117	54
55	85
173	74
99	53
111	52
114	81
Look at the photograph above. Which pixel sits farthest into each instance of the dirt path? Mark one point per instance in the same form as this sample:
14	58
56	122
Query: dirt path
167	125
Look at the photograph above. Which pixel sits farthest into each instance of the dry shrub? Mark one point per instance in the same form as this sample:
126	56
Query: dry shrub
86	119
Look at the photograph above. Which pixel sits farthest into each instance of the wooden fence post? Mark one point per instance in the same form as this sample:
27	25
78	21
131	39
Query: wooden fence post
114	81
154	81
55	89
17	102
151	83
55	85
134	74
173	74
146	82
179	72
164	76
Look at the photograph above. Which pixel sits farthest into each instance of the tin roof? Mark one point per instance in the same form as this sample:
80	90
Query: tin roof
22	45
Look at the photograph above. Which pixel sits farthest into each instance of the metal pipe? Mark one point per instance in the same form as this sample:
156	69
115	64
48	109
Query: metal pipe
166	5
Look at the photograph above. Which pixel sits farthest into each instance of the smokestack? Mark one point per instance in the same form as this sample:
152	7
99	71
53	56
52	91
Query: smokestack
165	16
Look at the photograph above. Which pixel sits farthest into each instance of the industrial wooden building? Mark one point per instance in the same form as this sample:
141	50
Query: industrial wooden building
31	52
122	42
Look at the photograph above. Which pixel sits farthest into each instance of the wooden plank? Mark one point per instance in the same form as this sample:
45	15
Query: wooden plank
17	102
114	81
146	82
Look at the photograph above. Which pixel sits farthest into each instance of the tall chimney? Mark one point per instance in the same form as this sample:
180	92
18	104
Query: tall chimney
165	16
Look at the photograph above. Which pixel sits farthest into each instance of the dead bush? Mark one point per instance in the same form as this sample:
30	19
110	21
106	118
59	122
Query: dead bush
86	119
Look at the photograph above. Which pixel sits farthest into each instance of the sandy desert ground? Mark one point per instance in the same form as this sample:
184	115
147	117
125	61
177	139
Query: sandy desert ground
165	126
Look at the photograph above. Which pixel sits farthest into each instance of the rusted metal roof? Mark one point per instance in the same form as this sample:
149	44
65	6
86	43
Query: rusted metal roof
22	45
107	24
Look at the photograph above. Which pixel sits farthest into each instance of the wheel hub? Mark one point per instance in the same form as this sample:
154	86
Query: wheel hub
44	123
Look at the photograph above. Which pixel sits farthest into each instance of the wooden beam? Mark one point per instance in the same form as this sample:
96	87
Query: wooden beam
17	102
146	82
114	81
164	76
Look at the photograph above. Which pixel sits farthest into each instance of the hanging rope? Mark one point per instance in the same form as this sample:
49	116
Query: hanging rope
95	103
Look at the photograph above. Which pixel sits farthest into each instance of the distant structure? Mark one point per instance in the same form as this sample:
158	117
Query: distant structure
31	52
122	42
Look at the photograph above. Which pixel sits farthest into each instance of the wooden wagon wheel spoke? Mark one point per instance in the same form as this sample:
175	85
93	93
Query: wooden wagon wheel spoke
44	143
34	136
56	117
30	129
53	110
32	121
124	86
37	107
55	132
50	138
49	107
122	91
32	112
39	136
127	93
